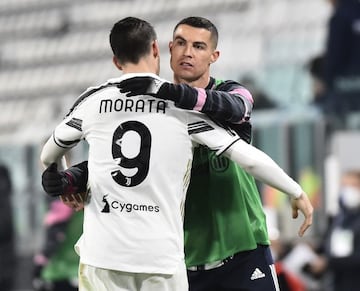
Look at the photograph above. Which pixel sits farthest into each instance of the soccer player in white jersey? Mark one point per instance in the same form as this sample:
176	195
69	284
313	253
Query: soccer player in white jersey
140	153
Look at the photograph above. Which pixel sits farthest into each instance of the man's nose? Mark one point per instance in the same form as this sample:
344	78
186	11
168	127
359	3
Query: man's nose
188	50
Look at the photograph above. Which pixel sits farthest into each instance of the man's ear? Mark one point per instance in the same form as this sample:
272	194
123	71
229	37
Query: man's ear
116	63
155	48
214	56
170	46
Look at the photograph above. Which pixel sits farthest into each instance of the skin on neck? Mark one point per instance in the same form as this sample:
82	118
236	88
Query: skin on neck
149	63
192	52
201	82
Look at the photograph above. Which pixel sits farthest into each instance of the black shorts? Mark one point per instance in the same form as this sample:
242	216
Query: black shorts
245	271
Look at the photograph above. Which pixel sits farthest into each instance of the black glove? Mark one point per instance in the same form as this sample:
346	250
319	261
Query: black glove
244	130
55	183
144	86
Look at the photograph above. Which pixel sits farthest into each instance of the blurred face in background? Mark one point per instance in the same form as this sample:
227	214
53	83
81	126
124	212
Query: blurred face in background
350	190
192	51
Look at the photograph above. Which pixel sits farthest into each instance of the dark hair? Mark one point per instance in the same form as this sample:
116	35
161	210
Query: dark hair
131	38
201	22
316	67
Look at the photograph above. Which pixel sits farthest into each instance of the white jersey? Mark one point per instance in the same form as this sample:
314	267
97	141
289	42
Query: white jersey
140	155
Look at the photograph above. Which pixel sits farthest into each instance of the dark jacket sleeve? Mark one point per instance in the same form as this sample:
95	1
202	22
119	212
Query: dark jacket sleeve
228	101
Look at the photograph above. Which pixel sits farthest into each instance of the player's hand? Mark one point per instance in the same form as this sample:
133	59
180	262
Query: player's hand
75	201
54	182
142	86
244	130
304	205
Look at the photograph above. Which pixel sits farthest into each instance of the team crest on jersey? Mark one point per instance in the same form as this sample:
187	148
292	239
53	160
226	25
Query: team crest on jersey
219	163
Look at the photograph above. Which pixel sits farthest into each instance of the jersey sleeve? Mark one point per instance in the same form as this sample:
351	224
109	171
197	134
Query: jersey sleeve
229	101
263	168
65	136
205	131
257	163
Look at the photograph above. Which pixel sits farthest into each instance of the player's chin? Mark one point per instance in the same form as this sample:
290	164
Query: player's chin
185	71
187	75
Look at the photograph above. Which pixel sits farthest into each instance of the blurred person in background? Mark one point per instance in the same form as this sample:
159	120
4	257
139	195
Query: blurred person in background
7	234
288	280
344	236
224	221
55	264
300	265
315	67
303	259
342	60
261	98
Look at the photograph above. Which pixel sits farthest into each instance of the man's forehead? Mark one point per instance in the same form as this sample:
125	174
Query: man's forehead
193	34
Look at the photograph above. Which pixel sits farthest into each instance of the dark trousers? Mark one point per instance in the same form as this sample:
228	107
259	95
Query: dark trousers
246	271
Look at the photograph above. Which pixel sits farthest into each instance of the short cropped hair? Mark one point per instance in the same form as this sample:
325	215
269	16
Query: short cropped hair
131	38
201	22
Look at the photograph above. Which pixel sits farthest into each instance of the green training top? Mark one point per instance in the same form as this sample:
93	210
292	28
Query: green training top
223	210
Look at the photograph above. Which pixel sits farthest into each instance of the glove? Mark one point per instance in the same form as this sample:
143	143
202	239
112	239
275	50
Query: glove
144	86
244	130
55	183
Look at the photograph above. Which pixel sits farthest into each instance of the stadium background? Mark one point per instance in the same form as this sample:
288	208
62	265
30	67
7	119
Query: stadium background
50	51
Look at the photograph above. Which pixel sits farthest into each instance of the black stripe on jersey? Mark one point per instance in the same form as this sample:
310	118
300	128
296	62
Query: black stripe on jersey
65	144
75	123
89	92
224	149
199	126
